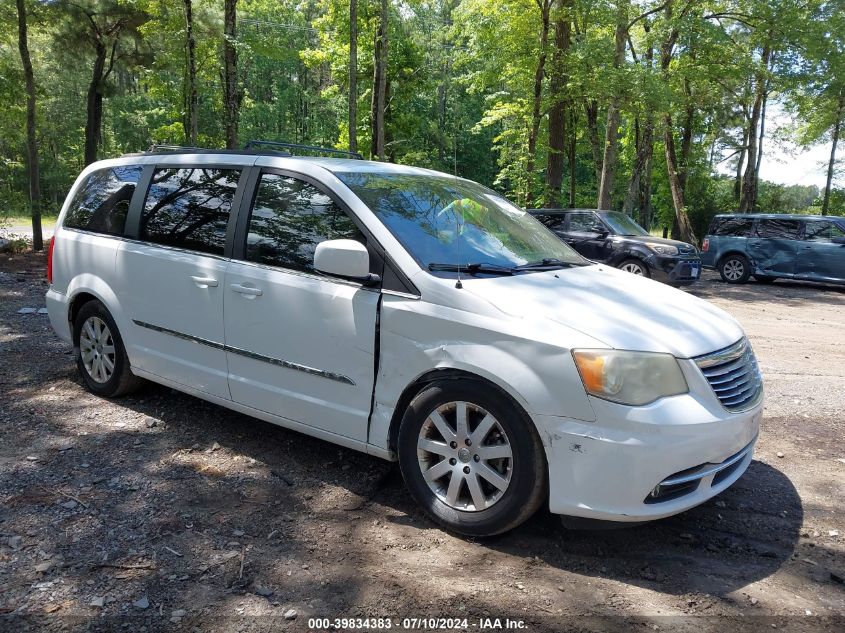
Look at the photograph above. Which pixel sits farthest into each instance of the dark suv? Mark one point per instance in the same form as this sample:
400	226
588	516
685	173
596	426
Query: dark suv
615	239
808	247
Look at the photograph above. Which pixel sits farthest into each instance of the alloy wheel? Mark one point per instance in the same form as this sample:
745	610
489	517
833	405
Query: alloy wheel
96	347
465	456
733	269
633	268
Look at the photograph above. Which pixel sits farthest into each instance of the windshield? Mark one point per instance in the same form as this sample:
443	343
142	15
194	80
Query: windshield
623	224
443	220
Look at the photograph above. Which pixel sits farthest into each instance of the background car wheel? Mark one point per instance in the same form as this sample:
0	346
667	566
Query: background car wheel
635	267
100	355
471	458
735	269
764	279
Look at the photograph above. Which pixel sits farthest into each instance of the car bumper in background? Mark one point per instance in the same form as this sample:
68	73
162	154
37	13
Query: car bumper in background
677	271
643	463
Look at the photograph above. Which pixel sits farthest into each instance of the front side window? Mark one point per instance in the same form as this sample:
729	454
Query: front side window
189	208
733	227
445	220
822	231
102	202
585	223
778	229
289	218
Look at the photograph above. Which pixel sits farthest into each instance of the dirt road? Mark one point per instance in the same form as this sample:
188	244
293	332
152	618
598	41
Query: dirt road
160	511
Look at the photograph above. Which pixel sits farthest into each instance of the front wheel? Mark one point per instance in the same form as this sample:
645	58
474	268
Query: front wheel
735	269
100	355
635	267
471	458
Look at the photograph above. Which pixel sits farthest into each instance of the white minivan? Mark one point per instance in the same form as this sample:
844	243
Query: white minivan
411	315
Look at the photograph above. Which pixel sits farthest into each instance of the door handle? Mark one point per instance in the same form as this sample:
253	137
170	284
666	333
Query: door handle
246	290
204	282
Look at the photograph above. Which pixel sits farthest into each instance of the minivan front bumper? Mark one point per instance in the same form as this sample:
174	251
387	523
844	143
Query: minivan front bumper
642	463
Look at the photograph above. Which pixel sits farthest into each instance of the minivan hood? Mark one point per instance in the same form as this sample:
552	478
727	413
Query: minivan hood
621	310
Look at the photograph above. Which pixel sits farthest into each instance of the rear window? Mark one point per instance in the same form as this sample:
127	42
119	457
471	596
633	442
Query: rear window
102	201
778	229
189	208
735	227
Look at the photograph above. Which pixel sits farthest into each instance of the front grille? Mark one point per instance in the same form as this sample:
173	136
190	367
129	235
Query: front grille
734	375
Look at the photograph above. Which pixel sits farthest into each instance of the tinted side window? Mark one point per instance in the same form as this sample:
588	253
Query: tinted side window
289	218
585	223
189	208
822	231
736	227
778	229
102	201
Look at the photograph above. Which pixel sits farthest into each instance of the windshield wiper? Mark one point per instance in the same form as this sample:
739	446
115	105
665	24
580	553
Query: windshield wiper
472	269
549	263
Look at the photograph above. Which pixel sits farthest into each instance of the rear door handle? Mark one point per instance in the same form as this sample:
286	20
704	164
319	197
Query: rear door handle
204	282
246	290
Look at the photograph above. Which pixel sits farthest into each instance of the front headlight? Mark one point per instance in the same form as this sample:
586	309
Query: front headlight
632	378
662	249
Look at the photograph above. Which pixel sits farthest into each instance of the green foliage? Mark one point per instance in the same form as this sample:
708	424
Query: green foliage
460	96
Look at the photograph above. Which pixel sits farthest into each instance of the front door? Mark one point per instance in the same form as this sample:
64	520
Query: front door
819	257
588	235
300	344
172	277
774	246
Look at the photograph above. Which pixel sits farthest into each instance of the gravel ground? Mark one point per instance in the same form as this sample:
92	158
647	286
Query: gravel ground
160	511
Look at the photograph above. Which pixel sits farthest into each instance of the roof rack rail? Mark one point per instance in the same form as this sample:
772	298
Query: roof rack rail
172	148
309	148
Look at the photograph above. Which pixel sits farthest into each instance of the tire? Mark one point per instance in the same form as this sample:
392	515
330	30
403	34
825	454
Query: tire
493	494
764	279
96	345
735	269
635	267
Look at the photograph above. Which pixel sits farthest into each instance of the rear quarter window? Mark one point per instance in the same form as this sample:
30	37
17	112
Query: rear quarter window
101	203
733	227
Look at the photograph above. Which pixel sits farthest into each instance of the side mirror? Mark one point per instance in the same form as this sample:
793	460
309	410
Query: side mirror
345	258
838	240
602	235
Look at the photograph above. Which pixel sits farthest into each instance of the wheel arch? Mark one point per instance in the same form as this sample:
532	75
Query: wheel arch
87	287
734	251
443	373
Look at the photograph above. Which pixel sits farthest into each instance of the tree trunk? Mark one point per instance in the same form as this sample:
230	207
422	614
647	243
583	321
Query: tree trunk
353	75
379	83
94	106
31	145
231	100
759	151
684	226
645	192
611	137
191	98
643	159
539	73
837	125
749	180
739	164
592	110
558	111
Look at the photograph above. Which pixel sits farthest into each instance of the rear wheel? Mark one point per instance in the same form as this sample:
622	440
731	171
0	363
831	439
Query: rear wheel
100	355
471	458
735	269
635	267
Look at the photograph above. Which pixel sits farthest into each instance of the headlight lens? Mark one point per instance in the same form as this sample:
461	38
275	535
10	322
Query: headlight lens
662	249
632	378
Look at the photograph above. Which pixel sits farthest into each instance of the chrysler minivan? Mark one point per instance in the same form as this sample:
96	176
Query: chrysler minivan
409	314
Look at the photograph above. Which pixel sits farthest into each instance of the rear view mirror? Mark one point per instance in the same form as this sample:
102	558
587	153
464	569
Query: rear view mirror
344	258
